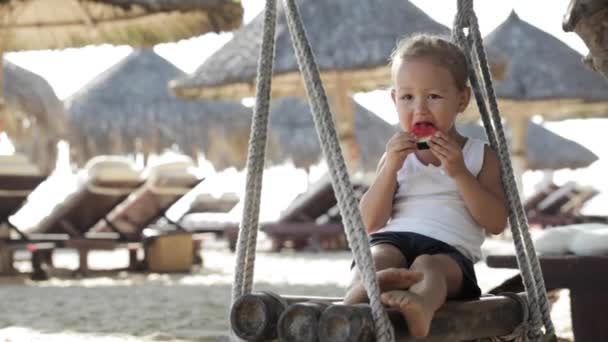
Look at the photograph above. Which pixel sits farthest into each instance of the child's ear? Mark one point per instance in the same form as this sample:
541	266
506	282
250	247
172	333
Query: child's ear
466	97
394	96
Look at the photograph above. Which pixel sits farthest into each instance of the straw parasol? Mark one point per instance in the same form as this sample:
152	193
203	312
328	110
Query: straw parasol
58	24
128	109
292	137
543	76
38	115
291	124
351	48
546	150
588	19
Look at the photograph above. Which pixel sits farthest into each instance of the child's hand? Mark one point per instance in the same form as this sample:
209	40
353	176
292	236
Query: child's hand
448	151
400	145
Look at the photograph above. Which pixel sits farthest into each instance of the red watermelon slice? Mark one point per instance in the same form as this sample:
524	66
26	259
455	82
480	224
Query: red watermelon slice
424	132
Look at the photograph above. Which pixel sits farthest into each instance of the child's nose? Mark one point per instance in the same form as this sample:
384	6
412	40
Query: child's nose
420	107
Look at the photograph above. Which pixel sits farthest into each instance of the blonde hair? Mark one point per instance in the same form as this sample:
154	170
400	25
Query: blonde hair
438	49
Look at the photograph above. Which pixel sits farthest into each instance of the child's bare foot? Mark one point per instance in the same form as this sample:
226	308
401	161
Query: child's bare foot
411	305
397	279
388	279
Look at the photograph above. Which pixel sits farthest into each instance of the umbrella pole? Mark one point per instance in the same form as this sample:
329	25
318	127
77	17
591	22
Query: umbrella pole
345	123
519	143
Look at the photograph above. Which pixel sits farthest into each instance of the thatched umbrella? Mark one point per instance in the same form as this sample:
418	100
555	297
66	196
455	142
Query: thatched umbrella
292	136
128	109
37	113
58	24
588	18
543	76
546	150
352	41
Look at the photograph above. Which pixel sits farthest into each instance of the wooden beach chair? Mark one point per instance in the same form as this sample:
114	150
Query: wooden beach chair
18	178
104	183
165	185
558	205
573	257
311	220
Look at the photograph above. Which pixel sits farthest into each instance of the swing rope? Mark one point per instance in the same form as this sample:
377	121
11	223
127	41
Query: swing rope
247	239
354	228
526	254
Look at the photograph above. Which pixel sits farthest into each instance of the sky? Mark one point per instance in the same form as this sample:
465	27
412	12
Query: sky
69	70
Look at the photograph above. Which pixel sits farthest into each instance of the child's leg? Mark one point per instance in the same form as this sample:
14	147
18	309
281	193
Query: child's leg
391	274
442	279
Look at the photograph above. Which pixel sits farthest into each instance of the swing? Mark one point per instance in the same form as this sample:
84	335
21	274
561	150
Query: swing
264	316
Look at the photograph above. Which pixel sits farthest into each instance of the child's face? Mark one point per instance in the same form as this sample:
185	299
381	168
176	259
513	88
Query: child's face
425	92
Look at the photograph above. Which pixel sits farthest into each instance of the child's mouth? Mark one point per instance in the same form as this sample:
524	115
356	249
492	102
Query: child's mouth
423	131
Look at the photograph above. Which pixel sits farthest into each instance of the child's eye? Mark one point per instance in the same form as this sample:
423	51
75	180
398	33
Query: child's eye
434	96
407	97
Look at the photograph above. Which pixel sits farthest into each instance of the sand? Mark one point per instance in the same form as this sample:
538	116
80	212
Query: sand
177	307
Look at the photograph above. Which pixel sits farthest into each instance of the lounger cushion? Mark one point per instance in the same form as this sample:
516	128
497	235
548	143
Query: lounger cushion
173	174
111	169
591	242
17	164
582	239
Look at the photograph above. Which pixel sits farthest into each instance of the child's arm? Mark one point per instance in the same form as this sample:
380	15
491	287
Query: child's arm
377	203
483	196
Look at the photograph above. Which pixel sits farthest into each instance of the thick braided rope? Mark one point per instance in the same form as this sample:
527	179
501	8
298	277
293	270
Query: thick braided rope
245	260
523	221
500	147
526	254
532	258
328	139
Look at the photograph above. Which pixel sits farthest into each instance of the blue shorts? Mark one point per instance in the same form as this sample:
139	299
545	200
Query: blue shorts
413	245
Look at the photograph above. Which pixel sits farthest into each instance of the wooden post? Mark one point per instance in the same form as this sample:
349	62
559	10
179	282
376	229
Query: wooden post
519	141
455	321
299	322
344	108
6	259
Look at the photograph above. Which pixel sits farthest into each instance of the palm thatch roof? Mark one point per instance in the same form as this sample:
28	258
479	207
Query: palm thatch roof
543	75
292	135
36	118
587	18
128	109
57	24
546	150
352	41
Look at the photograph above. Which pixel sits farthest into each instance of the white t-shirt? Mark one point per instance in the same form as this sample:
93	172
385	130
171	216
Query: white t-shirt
428	202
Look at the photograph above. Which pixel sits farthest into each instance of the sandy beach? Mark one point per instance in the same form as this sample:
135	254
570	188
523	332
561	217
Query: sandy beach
178	307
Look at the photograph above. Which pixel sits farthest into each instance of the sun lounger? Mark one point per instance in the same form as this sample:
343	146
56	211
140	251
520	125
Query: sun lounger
558	205
107	181
311	220
165	185
18	178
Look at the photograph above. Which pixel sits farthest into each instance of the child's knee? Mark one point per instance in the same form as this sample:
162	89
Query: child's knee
386	255
426	262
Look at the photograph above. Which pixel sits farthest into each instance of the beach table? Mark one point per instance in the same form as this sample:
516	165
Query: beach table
586	278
